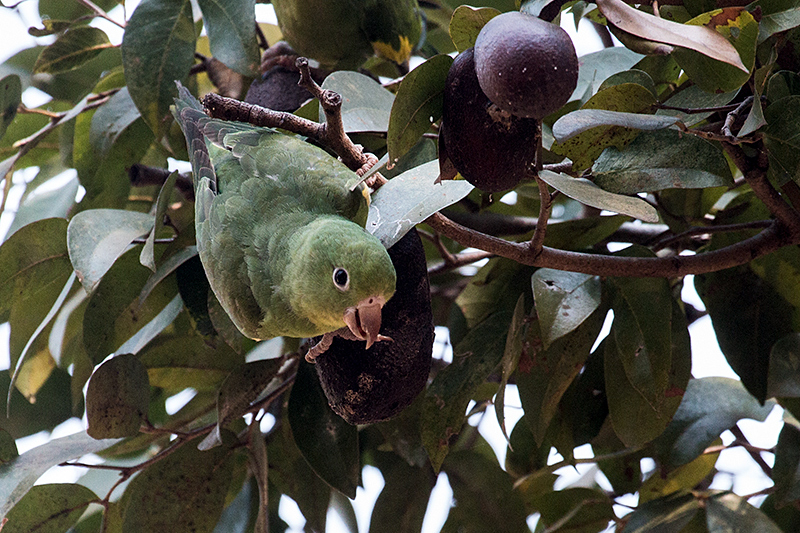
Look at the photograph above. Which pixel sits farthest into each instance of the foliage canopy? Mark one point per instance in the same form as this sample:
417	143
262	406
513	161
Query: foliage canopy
687	134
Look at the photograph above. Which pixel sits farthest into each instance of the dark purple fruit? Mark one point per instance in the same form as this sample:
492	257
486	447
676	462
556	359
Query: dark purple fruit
365	386
491	148
525	65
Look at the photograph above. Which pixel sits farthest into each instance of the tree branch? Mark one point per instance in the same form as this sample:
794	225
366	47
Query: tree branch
769	240
754	170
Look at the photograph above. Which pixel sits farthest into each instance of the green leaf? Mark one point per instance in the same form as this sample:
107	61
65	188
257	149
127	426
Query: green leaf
484	496
582	233
366	105
147	257
18	475
776	17
670	513
511	355
642	393
494	288
543	375
783	380
47	203
598	66
782	84
637	76
71	50
588	193
408	199
693	97
97	237
749	317
730	512
52	405
175	362
446	399
230	34
51	508
782	138
182	493
402	503
581	120
58	10
582	510
114	313
240	389
585	147
157	49
33	272
328	443
10	98
8	447
709	407
786	472
564	300
662	160
466	24
681	479
711	74
417	104
117	398
107	142
293	476
694	37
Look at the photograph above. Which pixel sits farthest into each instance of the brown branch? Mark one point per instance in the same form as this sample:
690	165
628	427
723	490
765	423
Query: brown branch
331	133
754	170
229	109
331	103
769	240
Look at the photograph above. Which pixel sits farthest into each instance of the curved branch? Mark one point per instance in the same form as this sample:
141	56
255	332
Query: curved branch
737	254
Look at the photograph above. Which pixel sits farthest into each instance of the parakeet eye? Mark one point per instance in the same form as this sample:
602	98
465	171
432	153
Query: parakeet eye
341	279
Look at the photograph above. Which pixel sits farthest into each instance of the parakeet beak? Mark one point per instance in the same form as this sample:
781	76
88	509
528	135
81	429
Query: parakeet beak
364	320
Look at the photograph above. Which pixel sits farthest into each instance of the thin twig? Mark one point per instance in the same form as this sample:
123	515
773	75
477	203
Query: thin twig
709	230
458	261
545	200
691	110
754	452
101	13
731	118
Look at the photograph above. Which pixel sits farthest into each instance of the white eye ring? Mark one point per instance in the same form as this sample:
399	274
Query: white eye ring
341	279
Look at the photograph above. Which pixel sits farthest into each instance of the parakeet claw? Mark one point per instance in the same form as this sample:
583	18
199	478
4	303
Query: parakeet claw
364	320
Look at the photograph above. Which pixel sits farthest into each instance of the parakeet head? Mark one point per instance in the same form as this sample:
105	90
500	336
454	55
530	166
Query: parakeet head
341	275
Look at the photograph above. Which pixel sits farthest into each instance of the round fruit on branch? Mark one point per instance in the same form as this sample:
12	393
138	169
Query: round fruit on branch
490	148
525	65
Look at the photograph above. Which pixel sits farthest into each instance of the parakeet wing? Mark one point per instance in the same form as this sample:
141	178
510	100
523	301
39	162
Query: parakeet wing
273	213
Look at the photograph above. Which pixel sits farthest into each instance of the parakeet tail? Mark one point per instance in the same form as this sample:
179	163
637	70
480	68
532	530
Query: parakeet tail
190	115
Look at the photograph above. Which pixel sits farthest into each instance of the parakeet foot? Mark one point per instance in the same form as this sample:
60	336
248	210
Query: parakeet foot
327	339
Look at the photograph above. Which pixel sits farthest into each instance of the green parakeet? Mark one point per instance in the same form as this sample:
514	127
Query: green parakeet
342	34
281	235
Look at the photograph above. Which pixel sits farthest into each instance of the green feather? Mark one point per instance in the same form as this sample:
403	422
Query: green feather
274	217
